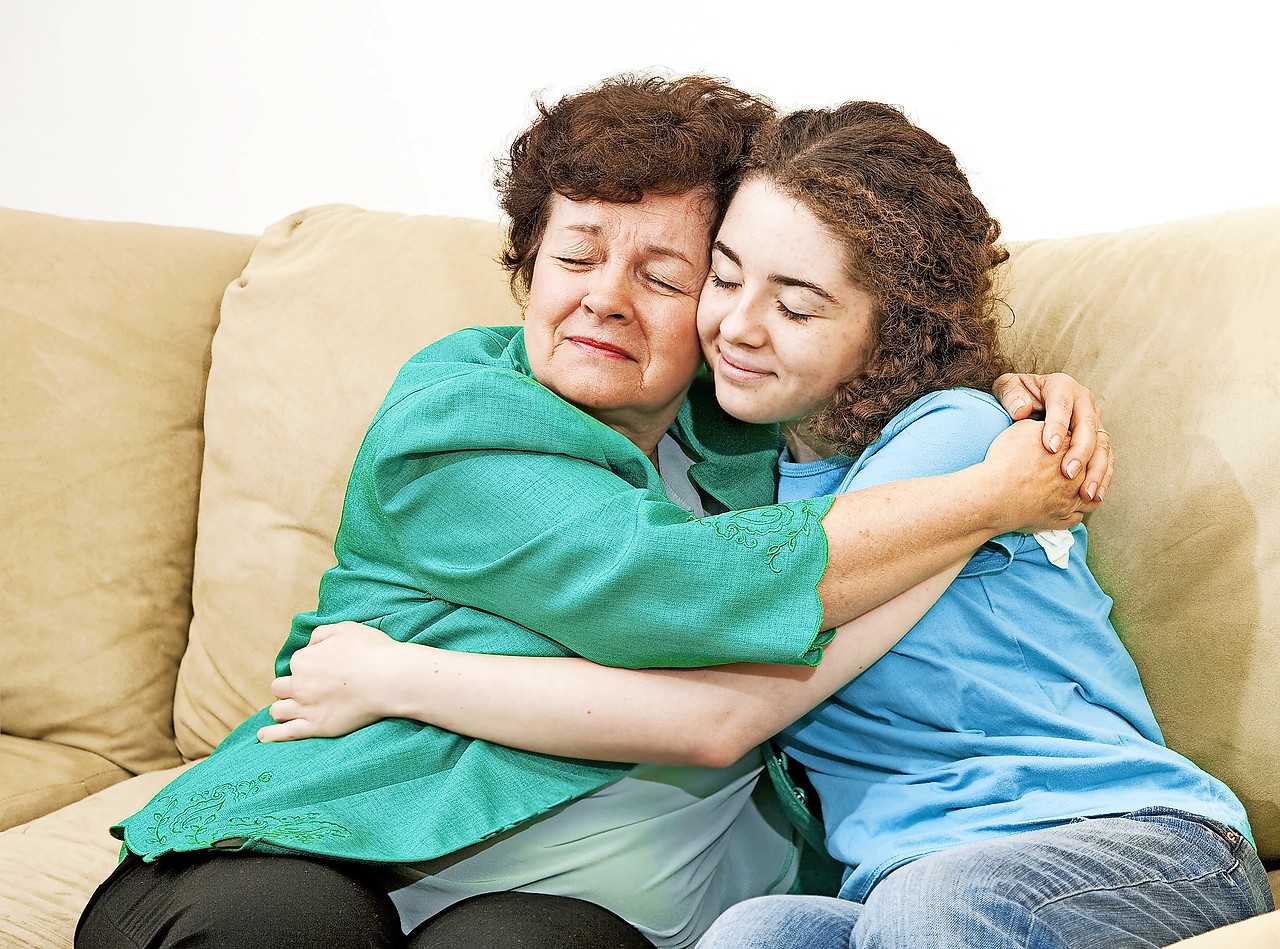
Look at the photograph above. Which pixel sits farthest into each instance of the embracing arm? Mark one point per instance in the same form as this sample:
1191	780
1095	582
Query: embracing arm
559	543
352	675
859	577
885	538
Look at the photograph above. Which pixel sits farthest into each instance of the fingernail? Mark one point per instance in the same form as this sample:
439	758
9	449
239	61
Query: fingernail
1092	489
1055	443
1016	406
1072	468
1102	493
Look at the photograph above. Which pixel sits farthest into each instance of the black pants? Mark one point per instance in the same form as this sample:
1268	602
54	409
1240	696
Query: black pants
238	901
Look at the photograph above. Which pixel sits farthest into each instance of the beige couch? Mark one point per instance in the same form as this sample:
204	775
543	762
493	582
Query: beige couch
179	410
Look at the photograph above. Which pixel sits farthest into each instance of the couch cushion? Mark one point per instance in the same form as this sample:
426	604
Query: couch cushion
1176	327
105	332
50	867
331	304
41	776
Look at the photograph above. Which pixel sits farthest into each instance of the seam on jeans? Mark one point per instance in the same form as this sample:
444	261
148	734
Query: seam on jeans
1221	871
1231	837
862	892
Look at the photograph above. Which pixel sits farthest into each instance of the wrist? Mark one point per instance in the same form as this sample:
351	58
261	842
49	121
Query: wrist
992	499
397	667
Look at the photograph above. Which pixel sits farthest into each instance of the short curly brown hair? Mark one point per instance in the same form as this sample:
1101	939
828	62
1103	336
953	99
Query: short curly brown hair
626	137
917	239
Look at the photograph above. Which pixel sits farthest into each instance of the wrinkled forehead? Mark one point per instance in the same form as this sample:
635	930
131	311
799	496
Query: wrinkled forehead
673	226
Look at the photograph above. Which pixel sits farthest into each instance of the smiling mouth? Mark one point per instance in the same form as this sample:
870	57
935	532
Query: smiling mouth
733	370
601	348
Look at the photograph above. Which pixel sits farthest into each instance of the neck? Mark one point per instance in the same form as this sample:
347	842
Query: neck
645	426
804	445
644	434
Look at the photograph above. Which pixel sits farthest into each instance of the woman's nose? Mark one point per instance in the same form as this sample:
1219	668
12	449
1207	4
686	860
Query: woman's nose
742	325
610	294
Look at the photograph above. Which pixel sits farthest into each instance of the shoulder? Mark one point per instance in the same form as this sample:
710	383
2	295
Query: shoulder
482	362
950	407
474	391
476	347
939	433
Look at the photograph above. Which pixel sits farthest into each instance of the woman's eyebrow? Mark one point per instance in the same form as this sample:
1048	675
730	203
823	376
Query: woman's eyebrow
653	250
786	281
660	250
780	279
724	249
590	230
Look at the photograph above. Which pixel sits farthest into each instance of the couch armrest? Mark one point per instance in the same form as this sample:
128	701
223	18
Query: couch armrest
1261	932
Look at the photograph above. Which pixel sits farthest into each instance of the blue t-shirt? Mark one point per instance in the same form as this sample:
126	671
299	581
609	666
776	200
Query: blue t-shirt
1011	706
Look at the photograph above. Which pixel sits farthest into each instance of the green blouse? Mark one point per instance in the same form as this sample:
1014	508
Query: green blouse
486	514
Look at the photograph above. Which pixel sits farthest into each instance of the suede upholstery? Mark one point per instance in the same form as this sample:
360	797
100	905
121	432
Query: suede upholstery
293	387
169	493
104	331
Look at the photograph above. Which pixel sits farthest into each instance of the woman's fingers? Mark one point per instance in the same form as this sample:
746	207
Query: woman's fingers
286	731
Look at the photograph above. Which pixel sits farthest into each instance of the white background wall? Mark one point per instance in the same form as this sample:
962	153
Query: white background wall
1070	117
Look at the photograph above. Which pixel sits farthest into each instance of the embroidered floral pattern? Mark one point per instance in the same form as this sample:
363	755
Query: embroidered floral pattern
754	528
197	819
299	828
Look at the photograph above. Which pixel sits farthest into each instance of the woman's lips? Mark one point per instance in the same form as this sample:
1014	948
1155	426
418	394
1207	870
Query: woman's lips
734	370
601	348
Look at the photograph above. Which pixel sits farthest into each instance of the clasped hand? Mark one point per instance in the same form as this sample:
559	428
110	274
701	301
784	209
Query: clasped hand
337	684
1072	427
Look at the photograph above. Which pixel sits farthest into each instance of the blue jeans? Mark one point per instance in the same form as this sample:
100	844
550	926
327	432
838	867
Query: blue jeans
1143	879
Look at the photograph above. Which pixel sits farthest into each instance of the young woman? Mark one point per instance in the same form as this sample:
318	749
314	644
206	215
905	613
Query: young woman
997	778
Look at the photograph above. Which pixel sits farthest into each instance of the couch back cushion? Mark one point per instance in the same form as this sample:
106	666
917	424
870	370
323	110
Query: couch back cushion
331	304
1177	328
104	345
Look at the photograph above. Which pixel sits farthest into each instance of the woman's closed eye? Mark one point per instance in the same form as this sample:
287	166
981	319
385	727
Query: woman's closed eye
663	284
719	283
575	262
792	314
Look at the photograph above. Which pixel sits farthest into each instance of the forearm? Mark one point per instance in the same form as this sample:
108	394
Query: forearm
884	539
567	707
575	708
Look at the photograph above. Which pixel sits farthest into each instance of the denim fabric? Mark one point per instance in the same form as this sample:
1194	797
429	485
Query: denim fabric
1144	879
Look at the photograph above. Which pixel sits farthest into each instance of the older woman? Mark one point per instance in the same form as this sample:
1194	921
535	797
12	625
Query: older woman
512	496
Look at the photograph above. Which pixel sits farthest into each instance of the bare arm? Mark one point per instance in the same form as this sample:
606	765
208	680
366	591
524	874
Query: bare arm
352	675
885	539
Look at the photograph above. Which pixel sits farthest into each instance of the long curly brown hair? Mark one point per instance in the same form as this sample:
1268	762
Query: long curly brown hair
917	239
626	137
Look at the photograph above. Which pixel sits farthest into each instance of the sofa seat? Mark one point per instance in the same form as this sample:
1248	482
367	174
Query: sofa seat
41	776
48	865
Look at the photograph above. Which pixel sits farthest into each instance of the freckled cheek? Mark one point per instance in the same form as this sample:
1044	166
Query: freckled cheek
707	333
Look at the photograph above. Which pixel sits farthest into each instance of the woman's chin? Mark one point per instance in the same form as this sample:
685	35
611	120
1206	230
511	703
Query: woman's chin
755	411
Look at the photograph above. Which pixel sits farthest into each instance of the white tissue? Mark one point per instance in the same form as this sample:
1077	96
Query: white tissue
1056	544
